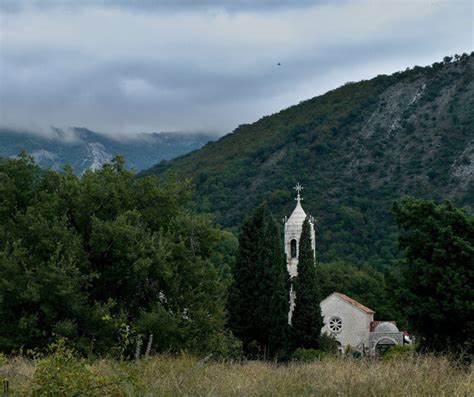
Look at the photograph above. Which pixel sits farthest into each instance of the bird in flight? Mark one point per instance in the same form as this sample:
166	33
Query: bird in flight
279	64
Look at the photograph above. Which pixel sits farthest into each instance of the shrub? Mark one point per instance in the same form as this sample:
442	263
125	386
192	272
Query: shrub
308	355
398	352
63	373
226	346
328	344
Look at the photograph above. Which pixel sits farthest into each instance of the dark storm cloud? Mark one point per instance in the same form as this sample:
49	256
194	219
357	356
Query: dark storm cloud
123	67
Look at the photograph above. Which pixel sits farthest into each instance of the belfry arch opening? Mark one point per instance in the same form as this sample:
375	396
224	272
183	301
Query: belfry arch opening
293	248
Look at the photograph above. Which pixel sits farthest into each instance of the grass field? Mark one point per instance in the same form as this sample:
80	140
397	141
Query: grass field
187	376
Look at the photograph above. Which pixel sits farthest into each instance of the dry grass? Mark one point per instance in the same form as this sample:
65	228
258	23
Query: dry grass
186	376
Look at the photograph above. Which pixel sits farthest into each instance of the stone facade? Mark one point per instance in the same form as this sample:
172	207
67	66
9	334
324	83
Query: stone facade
292	234
293	229
354	321
352	324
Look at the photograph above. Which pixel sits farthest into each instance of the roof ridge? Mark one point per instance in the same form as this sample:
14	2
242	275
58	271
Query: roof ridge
298	213
355	303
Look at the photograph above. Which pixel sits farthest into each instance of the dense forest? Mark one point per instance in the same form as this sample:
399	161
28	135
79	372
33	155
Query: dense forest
117	265
356	149
108	259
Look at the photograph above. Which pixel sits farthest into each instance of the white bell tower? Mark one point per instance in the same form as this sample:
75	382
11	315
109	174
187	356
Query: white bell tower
293	229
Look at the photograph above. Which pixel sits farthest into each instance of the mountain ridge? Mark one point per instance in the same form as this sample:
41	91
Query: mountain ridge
356	149
88	150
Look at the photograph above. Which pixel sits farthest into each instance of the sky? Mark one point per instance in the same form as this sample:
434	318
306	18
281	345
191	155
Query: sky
122	67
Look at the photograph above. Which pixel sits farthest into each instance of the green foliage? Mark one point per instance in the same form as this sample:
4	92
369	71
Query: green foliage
398	352
308	355
258	296
64	373
438	270
83	258
225	346
365	283
328	344
306	320
224	253
356	149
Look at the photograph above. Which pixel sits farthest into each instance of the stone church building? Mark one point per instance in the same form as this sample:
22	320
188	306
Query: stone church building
348	321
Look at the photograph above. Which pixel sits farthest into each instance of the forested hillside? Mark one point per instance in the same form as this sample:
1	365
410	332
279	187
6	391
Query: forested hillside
355	149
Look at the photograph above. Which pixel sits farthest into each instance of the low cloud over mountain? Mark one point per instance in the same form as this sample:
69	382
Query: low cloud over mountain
128	66
88	150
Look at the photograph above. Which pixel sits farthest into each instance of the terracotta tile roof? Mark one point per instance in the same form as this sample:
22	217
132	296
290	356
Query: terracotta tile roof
355	303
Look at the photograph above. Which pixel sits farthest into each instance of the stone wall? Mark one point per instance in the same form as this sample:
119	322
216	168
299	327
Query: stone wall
355	322
376	337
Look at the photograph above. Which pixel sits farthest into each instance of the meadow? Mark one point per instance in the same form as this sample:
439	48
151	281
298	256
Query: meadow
162	375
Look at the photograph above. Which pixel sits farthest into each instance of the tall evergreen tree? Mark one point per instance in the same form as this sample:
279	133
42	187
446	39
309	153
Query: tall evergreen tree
258	296
437	272
279	293
306	321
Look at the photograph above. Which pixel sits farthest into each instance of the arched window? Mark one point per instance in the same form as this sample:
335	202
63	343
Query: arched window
293	248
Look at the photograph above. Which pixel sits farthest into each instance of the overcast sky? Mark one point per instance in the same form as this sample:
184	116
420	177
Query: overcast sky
122	67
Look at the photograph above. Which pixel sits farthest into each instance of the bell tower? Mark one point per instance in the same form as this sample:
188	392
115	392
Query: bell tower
292	234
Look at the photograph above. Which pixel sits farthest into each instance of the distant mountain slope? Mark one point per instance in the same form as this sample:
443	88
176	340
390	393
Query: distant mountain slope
84	149
355	149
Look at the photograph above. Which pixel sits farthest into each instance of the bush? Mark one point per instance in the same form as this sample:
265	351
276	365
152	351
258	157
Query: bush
328	344
398	352
63	373
308	355
226	346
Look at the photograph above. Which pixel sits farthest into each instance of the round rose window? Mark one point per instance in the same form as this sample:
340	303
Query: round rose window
335	324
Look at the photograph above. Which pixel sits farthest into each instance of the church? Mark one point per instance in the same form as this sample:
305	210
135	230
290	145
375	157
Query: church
350	322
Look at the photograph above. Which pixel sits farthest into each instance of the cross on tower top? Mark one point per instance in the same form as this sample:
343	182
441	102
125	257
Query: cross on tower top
298	189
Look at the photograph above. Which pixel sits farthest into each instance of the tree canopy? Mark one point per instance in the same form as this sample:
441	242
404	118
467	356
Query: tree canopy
88	258
438	272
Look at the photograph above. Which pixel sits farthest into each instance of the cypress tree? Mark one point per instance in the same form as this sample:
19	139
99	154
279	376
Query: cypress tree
307	320
258	296
279	294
